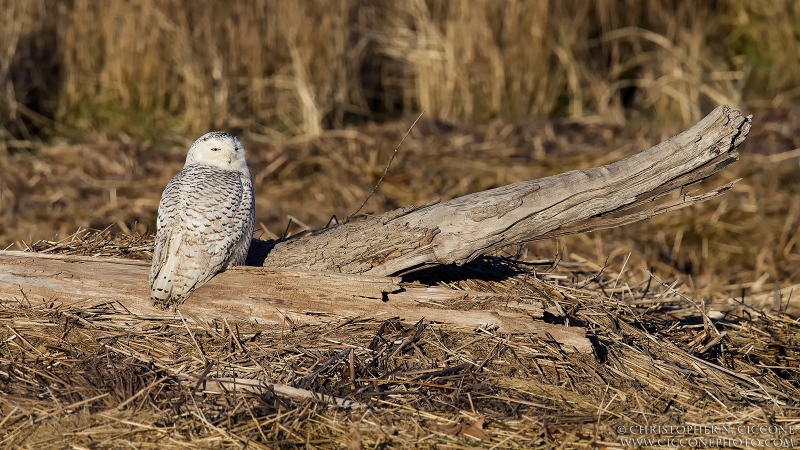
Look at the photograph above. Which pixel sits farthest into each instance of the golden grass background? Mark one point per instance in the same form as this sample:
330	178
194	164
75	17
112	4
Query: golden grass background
146	67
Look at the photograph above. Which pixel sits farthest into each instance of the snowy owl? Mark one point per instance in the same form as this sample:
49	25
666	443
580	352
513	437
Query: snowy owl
205	219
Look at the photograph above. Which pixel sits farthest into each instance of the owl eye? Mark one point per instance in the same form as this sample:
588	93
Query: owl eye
215	149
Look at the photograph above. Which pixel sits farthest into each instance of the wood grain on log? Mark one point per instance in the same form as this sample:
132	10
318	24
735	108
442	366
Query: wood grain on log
460	230
270	296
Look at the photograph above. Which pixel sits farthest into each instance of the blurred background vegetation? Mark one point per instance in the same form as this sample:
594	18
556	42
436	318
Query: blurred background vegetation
142	68
101	99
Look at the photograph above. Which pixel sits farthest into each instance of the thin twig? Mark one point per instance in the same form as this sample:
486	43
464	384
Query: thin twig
396	149
688	299
327	363
333	219
286	232
586	282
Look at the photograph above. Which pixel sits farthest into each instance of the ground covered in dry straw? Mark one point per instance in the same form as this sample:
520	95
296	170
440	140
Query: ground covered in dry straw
100	377
679	352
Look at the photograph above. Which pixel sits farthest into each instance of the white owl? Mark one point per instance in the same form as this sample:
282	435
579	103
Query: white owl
205	219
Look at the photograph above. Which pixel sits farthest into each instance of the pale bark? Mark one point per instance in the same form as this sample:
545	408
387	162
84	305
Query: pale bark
277	297
460	230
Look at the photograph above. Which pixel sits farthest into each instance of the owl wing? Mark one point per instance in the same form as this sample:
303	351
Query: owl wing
202	217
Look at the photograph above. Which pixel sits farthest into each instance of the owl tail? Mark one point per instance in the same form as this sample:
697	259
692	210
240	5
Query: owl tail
163	272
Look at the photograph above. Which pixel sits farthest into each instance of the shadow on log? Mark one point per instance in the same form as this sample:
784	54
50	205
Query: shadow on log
462	229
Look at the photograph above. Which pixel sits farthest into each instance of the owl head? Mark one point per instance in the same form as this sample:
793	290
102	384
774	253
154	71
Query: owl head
218	149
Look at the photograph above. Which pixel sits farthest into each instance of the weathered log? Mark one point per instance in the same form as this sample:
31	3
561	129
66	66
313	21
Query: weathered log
357	256
460	230
277	297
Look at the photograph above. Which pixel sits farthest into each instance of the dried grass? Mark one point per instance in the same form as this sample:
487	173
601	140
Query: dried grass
303	67
100	377
104	378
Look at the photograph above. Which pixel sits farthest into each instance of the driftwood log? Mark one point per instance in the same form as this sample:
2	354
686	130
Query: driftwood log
462	229
352	262
275	297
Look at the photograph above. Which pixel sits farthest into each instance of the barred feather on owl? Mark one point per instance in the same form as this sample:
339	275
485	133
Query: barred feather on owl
205	219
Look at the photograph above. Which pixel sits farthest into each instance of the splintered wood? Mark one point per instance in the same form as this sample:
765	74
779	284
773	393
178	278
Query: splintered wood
462	229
